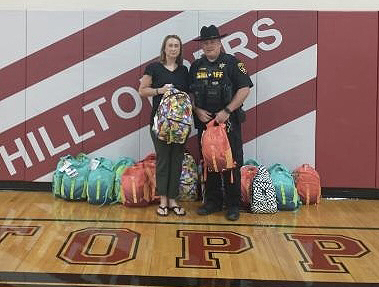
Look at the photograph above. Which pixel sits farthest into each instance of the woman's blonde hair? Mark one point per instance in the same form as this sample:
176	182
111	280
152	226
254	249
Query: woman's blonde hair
179	59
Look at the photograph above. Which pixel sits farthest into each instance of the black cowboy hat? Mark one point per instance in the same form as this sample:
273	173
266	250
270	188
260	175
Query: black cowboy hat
208	33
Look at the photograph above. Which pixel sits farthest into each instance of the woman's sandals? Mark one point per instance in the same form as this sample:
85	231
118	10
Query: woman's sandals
162	210
178	210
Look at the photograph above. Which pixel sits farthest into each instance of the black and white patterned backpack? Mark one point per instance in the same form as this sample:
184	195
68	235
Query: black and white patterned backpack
263	196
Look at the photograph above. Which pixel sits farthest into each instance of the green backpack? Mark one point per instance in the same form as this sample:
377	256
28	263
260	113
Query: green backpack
119	168
99	189
74	179
286	193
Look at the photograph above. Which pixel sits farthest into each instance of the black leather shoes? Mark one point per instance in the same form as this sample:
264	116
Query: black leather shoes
208	208
233	214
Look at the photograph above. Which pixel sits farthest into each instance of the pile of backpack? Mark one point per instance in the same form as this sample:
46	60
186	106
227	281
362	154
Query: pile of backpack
100	181
268	190
263	190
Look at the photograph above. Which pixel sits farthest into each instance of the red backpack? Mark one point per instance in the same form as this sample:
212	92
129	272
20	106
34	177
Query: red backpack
215	148
135	186
149	163
248	173
308	185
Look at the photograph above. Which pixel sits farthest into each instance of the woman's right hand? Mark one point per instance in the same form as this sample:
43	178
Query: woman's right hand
165	88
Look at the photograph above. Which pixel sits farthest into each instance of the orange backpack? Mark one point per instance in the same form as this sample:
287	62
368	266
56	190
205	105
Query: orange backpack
308	185
248	173
135	186
215	148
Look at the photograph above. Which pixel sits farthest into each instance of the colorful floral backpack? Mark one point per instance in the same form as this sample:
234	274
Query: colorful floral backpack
201	180
173	120
188	179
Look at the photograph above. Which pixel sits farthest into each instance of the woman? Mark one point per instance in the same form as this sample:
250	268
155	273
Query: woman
159	77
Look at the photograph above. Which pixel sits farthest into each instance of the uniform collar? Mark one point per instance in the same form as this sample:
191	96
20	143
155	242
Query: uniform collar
215	61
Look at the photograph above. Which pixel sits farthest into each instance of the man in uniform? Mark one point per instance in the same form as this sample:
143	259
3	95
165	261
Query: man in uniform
220	85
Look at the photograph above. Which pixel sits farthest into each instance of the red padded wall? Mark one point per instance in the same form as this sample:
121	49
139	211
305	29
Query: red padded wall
347	99
377	122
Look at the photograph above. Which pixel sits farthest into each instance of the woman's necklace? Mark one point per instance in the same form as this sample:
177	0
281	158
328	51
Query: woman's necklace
171	67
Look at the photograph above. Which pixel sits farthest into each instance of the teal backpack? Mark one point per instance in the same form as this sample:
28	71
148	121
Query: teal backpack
62	164
99	189
74	179
286	193
118	168
251	162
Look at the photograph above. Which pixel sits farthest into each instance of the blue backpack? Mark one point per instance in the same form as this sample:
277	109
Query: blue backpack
119	168
286	193
99	189
74	179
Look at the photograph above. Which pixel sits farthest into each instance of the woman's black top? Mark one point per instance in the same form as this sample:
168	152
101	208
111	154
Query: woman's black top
161	76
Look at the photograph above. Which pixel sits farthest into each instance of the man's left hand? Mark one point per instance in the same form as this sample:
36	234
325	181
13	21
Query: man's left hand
222	116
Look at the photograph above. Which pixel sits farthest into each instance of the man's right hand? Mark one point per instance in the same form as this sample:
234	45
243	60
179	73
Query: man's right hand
203	115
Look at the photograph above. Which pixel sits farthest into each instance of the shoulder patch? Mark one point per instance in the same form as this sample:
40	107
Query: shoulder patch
242	68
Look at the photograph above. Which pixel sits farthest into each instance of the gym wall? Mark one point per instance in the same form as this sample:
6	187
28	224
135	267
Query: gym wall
69	81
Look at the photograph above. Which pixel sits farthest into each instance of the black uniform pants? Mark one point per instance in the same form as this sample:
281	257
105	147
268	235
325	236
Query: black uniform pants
213	185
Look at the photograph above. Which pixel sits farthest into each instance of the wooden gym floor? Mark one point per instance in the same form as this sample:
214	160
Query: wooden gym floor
46	241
